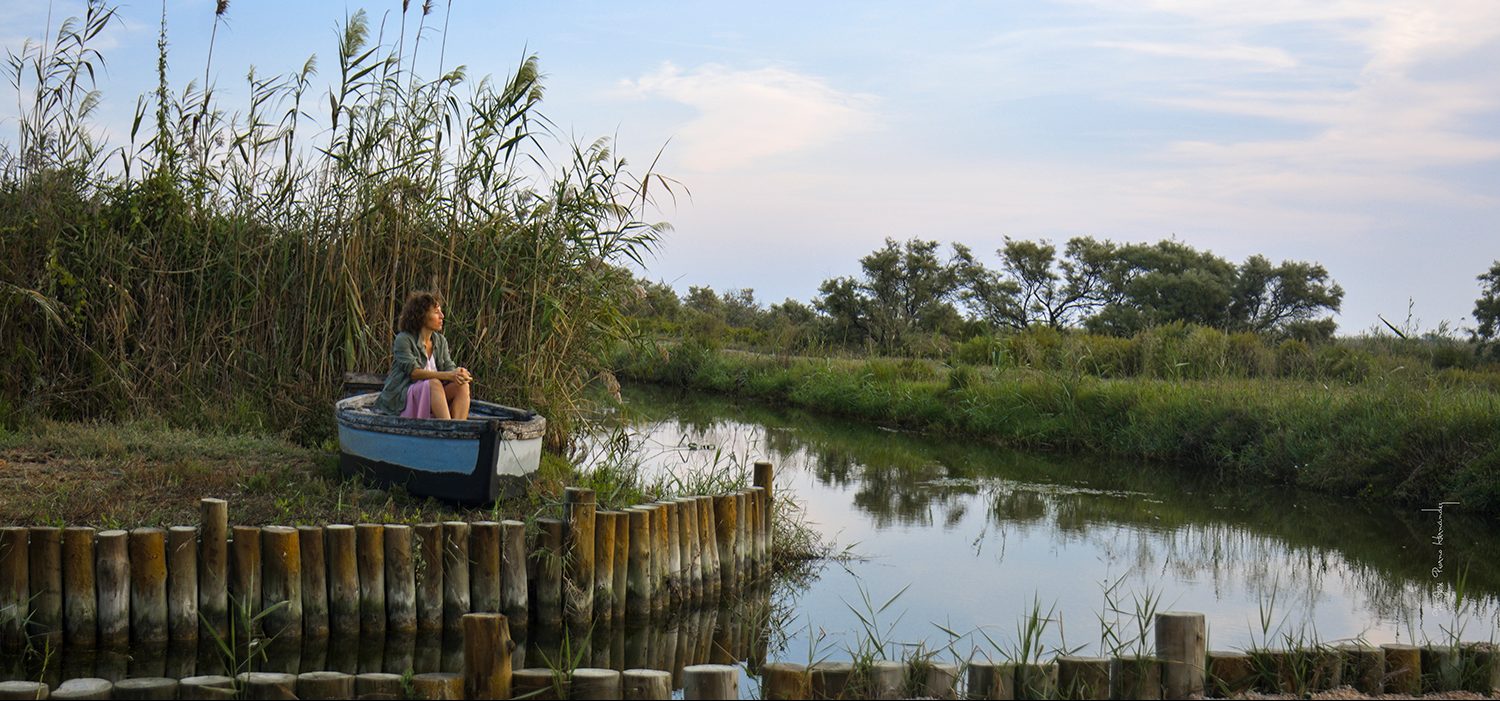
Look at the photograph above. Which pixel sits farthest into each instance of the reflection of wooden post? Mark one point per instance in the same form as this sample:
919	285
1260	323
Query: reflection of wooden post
400	581
1403	669
15	588
314	584
343	581
244	579
487	648
711	681
578	556
709	542
514	599
725	523
369	544
638	592
281	582
45	570
456	590
604	566
80	599
549	549
148	585
213	567
427	559
781	681
1180	643
112	575
646	684
484	567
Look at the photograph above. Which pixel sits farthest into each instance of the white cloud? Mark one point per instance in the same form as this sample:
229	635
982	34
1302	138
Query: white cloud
747	116
1263	57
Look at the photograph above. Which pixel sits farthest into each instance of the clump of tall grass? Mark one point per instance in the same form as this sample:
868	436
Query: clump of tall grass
260	250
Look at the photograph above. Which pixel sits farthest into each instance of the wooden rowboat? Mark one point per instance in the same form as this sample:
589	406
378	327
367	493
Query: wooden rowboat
495	452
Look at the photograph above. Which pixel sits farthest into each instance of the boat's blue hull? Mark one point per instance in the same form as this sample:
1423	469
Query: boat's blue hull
470	462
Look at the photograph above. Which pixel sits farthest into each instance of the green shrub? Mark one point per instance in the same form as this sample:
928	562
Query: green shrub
979	350
1335	362
1246	355
1294	359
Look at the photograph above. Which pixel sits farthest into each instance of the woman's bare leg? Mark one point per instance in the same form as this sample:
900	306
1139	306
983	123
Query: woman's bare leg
458	396
439	399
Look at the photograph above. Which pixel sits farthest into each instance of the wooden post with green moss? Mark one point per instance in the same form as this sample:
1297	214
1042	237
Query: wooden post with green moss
182	583
339	542
427	559
80	597
314	583
148	585
213	567
45	575
281	582
15	588
400	580
514	597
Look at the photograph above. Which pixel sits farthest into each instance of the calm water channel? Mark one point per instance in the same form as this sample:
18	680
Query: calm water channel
966	538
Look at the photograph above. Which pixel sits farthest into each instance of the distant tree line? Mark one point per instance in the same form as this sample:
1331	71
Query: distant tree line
909	297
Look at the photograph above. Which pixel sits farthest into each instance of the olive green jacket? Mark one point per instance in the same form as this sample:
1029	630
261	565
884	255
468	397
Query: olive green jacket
407	355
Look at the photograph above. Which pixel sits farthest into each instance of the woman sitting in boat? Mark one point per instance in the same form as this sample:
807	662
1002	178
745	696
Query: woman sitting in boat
424	382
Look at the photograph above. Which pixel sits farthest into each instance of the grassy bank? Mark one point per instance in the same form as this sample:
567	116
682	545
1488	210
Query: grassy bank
1416	440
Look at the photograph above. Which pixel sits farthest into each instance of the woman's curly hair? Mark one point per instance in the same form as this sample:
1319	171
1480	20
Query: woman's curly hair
417	305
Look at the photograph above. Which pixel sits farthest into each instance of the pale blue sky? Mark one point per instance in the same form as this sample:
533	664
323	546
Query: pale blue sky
1364	135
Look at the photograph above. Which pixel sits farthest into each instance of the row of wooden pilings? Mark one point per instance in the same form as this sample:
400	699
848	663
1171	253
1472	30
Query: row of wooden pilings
81	588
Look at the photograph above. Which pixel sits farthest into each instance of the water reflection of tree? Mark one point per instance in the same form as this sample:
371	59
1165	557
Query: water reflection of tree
1189	527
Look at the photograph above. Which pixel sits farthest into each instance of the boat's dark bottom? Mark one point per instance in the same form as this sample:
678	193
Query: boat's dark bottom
477	488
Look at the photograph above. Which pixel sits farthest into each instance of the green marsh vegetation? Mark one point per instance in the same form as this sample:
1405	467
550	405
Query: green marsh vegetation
228	262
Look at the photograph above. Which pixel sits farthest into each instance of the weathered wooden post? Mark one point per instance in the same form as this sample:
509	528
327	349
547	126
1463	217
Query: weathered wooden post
725	526
15	588
782	681
400	581
281	582
1180	643
148	585
1036	680
144	688
1403	669
674	553
594	683
487	648
182	583
369	544
1481	662
646	684
1083	677
549	573
619	581
1363	667
994	680
661	595
456	589
514	596
112	576
45	575
1139	676
80	598
314	584
638	592
579	506
325	685
438	686
339	541
742	536
708	535
757	536
764	477
1441	668
208	686
83	688
830	679
885	679
484	567
244	579
692	567
538	683
213	567
428	561
710	681
604	566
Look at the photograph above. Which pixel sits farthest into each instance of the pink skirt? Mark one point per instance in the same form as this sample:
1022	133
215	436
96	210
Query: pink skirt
418	401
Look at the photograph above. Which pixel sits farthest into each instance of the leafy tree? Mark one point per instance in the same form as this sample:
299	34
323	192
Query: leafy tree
1274	299
1152	284
740	308
905	289
1487	307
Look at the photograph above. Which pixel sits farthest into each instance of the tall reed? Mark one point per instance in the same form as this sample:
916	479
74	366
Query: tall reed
235	260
